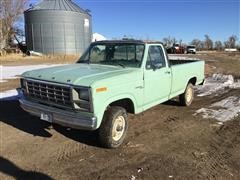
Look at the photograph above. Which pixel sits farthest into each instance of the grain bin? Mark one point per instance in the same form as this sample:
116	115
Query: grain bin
57	27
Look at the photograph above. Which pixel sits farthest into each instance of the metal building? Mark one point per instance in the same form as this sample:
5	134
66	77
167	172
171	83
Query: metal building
58	27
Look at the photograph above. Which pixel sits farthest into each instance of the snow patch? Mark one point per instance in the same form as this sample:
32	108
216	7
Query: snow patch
224	110
9	95
180	57
11	72
217	84
2	81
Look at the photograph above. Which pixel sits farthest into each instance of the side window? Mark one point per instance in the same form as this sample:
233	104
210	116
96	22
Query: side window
155	57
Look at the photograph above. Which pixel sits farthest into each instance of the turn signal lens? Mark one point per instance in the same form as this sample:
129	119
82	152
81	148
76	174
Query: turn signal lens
102	89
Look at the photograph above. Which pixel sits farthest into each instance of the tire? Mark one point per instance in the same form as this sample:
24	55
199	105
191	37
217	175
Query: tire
187	97
114	127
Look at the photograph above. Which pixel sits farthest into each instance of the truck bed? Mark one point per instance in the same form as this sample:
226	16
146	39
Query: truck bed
175	62
182	71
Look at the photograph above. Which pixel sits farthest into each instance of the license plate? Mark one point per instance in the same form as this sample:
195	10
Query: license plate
46	117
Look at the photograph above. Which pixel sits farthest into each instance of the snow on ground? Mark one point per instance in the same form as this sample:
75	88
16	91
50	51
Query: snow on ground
217	84
2	81
11	72
9	95
224	110
180	57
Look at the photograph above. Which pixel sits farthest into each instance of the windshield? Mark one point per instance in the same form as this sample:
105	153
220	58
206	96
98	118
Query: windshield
125	55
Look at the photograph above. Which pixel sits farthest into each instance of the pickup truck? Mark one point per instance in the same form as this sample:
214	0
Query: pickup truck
191	49
110	80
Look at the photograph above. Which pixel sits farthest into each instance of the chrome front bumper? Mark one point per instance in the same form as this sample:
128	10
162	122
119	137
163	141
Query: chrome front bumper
59	116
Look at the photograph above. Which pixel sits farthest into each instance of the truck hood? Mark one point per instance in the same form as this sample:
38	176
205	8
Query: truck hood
77	74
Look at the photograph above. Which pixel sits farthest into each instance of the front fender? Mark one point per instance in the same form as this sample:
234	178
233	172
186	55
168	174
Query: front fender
110	100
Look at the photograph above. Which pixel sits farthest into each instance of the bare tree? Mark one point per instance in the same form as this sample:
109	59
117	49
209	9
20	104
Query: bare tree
10	11
218	45
180	42
197	43
208	42
231	42
169	41
173	40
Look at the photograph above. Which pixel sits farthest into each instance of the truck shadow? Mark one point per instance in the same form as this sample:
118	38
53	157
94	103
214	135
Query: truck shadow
172	102
12	114
10	169
81	136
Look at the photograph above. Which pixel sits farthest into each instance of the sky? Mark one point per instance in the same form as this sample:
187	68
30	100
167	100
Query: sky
156	19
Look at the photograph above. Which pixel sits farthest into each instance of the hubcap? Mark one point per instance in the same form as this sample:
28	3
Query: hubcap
189	94
118	128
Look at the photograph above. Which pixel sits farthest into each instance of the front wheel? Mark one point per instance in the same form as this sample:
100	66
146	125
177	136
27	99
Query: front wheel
114	127
187	97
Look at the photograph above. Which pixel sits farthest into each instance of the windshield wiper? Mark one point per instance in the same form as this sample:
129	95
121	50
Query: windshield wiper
120	64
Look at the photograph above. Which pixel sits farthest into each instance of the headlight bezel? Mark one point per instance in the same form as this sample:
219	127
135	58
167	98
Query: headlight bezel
23	83
82	103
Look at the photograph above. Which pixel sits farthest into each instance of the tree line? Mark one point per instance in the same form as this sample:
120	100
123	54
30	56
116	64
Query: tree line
206	44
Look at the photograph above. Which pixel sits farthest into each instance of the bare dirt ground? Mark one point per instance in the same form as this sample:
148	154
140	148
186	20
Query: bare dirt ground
165	142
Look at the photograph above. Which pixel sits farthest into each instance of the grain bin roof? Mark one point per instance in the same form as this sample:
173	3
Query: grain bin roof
63	5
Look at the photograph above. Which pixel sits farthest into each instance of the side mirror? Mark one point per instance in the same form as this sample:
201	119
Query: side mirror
157	66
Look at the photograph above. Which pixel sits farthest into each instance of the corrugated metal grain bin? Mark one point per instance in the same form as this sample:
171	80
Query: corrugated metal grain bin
57	27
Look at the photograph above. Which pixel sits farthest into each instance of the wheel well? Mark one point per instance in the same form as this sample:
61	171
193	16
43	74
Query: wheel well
125	103
193	81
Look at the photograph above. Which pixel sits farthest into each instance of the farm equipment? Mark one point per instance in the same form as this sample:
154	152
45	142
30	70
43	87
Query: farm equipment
176	49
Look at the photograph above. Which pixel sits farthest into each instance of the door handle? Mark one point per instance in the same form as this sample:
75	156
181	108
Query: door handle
139	87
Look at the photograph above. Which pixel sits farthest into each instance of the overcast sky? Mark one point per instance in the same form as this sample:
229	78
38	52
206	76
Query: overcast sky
155	19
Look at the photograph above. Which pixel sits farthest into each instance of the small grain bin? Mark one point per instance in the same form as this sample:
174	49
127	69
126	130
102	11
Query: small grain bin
58	27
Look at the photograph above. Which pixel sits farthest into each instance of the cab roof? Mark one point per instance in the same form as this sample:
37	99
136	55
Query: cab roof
126	42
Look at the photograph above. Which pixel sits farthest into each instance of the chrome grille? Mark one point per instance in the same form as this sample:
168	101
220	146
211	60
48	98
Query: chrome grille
48	93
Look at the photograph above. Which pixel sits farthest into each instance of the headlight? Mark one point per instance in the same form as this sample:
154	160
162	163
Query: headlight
23	83
81	99
83	94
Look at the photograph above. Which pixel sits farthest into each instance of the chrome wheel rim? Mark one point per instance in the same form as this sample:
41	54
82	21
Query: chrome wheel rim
118	128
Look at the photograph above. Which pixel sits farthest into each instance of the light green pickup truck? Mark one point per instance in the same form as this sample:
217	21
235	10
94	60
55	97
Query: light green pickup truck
110	80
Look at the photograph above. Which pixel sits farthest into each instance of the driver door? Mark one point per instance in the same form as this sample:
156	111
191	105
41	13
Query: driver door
157	77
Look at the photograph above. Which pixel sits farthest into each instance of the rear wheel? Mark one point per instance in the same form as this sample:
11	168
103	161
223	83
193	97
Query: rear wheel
187	97
113	128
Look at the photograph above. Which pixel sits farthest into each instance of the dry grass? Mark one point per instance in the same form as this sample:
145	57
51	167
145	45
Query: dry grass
19	59
226	63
